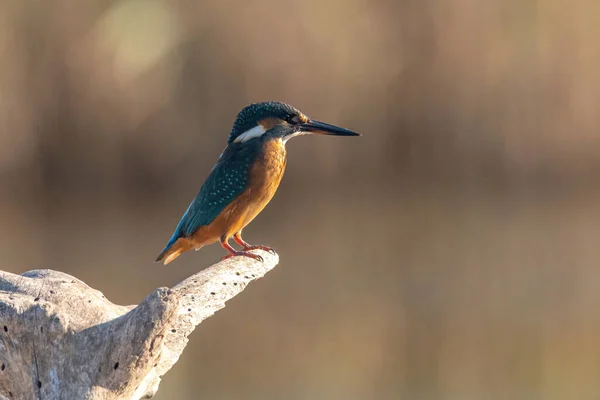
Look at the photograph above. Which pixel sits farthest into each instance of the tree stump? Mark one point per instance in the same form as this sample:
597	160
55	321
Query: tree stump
61	339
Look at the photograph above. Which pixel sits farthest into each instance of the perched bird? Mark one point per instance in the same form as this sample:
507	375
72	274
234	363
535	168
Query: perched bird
244	179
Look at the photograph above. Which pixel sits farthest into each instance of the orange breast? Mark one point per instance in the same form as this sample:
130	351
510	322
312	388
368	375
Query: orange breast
265	176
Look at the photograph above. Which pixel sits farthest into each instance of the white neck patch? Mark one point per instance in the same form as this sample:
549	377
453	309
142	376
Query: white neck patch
255	132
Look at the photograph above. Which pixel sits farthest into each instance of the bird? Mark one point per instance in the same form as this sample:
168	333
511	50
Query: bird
243	180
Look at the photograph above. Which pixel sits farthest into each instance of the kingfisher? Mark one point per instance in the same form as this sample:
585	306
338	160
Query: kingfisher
243	180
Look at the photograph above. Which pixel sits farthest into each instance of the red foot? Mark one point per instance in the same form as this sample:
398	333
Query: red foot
259	247
244	254
246	247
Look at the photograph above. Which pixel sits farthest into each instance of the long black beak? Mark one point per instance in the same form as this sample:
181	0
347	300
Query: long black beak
321	128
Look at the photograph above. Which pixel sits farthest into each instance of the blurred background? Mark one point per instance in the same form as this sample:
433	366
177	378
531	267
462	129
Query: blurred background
449	253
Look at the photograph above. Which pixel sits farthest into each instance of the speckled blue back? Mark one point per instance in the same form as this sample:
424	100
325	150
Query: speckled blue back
226	181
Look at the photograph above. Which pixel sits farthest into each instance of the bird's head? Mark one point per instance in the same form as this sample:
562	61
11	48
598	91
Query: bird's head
278	120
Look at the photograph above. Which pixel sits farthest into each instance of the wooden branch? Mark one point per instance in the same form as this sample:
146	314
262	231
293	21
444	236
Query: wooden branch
61	339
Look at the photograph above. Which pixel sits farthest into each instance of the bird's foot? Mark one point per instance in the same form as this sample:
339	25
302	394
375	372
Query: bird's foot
259	247
244	254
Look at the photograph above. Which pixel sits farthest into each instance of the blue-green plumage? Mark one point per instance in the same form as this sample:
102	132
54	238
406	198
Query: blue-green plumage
226	181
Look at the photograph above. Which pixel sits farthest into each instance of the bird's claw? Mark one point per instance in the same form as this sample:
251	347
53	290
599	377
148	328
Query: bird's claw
243	254
259	247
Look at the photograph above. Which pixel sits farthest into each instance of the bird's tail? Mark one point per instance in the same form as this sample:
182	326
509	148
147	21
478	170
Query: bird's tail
174	249
168	255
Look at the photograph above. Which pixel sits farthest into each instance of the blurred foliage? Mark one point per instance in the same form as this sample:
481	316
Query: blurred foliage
449	253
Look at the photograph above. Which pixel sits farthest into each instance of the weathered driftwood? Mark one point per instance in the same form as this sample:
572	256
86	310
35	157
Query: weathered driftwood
61	339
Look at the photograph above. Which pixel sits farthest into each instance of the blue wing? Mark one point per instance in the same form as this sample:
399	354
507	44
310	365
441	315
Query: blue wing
228	178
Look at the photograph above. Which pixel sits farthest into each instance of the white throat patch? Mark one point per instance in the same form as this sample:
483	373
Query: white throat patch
255	132
298	133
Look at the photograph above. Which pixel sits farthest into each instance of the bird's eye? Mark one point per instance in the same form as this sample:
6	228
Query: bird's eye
293	119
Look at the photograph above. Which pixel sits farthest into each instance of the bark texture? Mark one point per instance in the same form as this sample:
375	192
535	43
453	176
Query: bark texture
61	339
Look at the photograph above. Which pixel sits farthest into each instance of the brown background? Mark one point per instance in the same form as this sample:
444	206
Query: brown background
449	253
